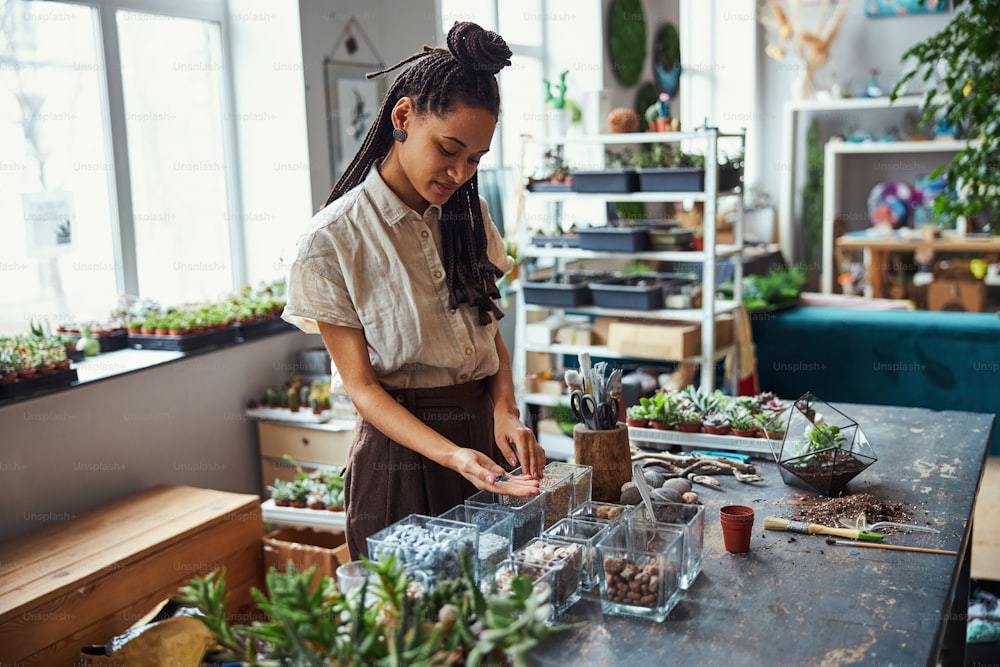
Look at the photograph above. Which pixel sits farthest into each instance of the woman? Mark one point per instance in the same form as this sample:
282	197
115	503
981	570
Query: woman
398	275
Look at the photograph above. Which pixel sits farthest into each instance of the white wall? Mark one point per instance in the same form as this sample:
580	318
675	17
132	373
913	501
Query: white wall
397	30
179	423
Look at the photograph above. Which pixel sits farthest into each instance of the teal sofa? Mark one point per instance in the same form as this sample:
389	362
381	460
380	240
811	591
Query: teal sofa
936	360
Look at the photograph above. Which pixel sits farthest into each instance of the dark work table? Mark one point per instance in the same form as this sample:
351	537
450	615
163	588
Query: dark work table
793	599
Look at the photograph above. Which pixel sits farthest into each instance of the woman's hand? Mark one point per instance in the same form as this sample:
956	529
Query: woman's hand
517	443
484	474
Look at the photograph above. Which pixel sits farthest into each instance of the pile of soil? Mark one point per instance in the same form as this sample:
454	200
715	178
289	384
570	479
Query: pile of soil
829	511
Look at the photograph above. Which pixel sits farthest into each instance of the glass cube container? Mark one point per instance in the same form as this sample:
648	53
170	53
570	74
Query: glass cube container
528	513
823	449
609	513
556	485
692	519
567	561
496	532
583	482
640	565
587	534
430	548
542	578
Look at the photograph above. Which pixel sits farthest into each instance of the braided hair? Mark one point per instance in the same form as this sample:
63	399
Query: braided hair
438	81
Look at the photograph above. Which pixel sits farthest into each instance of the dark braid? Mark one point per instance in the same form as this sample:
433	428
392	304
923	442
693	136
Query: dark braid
438	81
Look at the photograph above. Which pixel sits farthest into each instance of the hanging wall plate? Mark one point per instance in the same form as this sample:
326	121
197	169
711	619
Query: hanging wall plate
667	59
627	40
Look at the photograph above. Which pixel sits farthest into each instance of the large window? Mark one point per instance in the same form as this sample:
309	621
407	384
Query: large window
117	174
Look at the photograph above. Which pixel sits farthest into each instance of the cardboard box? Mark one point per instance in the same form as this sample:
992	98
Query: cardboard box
958	295
574	334
305	548
669	341
86	580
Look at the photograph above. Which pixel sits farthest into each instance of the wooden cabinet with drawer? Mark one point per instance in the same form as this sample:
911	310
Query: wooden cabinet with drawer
312	445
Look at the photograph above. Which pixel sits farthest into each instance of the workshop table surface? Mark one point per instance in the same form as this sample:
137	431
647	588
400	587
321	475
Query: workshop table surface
795	600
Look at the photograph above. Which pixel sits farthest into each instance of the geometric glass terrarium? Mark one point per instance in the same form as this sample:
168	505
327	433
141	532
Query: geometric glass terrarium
823	449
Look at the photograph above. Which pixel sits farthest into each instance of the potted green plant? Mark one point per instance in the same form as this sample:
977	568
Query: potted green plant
9	362
963	59
456	623
689	420
716	423
741	422
637	415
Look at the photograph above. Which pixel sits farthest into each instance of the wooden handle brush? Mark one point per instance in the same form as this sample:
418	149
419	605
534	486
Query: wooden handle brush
806	528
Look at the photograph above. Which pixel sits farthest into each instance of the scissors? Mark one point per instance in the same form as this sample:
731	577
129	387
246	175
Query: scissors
594	415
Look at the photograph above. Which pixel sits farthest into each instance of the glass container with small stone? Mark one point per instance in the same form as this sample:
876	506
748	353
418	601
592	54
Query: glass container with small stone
690	517
609	513
528	513
583	482
639	574
496	532
430	548
556	485
587	534
542	578
565	558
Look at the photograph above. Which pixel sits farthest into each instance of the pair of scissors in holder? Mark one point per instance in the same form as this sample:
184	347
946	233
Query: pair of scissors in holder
593	414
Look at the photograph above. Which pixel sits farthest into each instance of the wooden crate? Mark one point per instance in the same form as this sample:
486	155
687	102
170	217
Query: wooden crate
84	581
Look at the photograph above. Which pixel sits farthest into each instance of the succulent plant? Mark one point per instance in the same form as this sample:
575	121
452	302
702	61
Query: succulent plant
281	491
454	623
741	419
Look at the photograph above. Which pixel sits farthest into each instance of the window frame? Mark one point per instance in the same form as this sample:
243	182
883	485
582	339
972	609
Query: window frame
123	221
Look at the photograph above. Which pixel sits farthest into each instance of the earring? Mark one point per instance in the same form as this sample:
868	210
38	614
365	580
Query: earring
399	134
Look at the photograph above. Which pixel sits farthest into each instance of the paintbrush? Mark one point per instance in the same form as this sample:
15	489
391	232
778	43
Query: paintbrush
894	547
806	528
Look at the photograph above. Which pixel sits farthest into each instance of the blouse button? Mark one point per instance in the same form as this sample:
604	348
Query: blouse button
468	351
463	376
424	234
437	275
453	311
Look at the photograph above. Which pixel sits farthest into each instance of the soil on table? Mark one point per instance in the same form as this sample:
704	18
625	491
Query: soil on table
828	476
829	511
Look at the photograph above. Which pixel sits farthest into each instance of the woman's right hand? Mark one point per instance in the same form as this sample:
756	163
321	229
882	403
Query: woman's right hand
483	472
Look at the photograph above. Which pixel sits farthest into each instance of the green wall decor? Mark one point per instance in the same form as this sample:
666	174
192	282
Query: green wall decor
627	40
666	59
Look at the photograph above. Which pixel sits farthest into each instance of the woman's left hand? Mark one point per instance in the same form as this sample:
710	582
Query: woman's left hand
517	443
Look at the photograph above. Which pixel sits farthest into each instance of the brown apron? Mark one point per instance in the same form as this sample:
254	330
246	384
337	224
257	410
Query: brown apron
385	481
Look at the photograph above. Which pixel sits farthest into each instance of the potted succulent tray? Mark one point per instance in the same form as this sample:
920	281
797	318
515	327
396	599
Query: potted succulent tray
110	339
636	292
259	328
671	237
685	179
614	239
561	291
185	342
617	181
38	383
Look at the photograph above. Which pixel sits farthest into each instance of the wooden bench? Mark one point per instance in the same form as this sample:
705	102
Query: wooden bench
82	582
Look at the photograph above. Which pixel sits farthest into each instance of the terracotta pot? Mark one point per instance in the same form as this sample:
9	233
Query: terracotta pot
737	527
752	433
47	369
716	430
638	423
663	426
27	373
689	428
6	379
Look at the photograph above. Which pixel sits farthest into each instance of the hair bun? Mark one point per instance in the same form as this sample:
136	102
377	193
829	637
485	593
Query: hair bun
476	48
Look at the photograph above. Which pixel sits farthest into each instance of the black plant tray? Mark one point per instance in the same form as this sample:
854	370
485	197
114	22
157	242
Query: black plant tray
557	294
184	343
114	340
614	239
244	331
641	292
618	181
685	179
558	241
549	186
39	382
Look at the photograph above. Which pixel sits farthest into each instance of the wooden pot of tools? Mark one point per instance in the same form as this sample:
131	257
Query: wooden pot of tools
607	452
